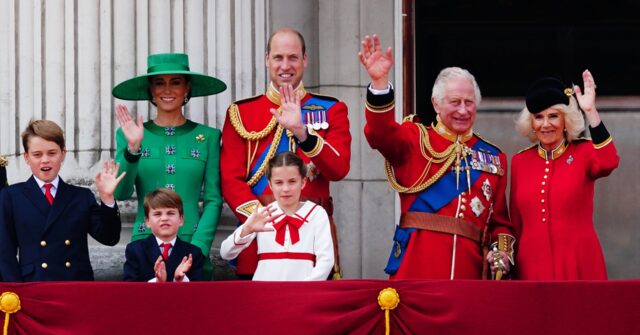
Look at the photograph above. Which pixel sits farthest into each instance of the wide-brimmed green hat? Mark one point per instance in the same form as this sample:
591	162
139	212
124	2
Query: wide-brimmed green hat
137	88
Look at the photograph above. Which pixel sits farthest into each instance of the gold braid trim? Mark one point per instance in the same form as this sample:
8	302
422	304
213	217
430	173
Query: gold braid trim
447	156
272	152
236	122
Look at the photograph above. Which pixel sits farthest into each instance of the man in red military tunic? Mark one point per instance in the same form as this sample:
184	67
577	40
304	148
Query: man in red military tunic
450	181
286	117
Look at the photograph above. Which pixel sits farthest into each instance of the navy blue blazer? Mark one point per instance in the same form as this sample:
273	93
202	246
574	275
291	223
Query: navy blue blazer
141	255
51	240
3	177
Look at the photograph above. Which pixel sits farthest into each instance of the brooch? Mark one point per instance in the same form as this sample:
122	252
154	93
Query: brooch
569	160
200	138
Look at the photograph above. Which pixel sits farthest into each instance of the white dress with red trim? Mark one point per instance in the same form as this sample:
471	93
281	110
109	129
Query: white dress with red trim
300	247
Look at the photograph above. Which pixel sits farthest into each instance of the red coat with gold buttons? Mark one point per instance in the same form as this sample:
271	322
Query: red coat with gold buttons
430	254
551	207
247	135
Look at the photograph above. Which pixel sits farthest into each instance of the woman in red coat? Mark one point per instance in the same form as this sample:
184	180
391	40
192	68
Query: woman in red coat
552	183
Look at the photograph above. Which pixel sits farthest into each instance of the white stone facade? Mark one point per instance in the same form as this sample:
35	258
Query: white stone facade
59	60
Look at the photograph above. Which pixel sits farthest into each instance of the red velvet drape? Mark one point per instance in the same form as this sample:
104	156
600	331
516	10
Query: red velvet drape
332	307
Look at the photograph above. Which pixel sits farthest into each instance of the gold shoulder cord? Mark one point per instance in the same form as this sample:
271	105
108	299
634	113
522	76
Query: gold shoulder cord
447	156
236	122
272	152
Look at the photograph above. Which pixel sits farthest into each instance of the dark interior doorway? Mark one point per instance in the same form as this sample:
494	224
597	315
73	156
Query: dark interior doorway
508	44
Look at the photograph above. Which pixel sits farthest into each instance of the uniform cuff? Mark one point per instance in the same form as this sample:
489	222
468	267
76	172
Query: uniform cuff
309	143
380	103
599	135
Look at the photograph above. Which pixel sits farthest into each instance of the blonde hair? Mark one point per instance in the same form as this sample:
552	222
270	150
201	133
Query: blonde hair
573	121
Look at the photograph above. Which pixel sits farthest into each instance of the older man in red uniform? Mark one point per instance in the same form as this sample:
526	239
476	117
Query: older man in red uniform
451	182
286	117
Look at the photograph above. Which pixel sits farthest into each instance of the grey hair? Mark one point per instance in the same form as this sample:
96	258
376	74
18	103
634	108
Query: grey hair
573	121
449	73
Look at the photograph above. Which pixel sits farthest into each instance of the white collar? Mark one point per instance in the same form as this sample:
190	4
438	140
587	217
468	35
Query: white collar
41	183
159	241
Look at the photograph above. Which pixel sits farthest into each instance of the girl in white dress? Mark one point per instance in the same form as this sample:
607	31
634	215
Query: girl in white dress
294	238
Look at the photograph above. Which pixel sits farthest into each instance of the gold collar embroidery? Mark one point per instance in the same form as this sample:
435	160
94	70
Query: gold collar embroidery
555	153
274	95
445	132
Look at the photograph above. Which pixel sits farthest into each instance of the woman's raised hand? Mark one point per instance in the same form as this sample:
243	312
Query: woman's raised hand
133	131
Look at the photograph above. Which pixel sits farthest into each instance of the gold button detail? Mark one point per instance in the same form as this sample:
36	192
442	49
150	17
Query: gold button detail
545	176
542	200
544	183
462	208
543	210
546	170
43	243
546	162
44	265
464	200
542	191
67	242
67	264
544	219
461	215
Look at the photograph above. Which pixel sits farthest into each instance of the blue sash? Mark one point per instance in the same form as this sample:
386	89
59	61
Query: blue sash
431	200
314	105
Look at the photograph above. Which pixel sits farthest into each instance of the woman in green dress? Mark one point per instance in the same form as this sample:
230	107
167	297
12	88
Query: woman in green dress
171	151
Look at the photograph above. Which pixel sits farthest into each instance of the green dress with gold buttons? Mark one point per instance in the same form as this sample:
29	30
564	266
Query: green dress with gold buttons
186	159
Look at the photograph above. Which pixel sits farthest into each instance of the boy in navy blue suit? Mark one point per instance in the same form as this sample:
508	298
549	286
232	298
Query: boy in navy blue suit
162	256
45	221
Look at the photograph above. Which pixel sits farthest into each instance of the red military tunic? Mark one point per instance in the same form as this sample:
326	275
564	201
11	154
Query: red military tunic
552	209
433	254
247	136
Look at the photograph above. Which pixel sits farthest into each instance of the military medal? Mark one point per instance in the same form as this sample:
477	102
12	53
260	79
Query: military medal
486	189
476	206
308	120
486	162
316	121
324	124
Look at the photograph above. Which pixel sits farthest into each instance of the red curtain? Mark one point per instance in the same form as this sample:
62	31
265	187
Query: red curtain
332	307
